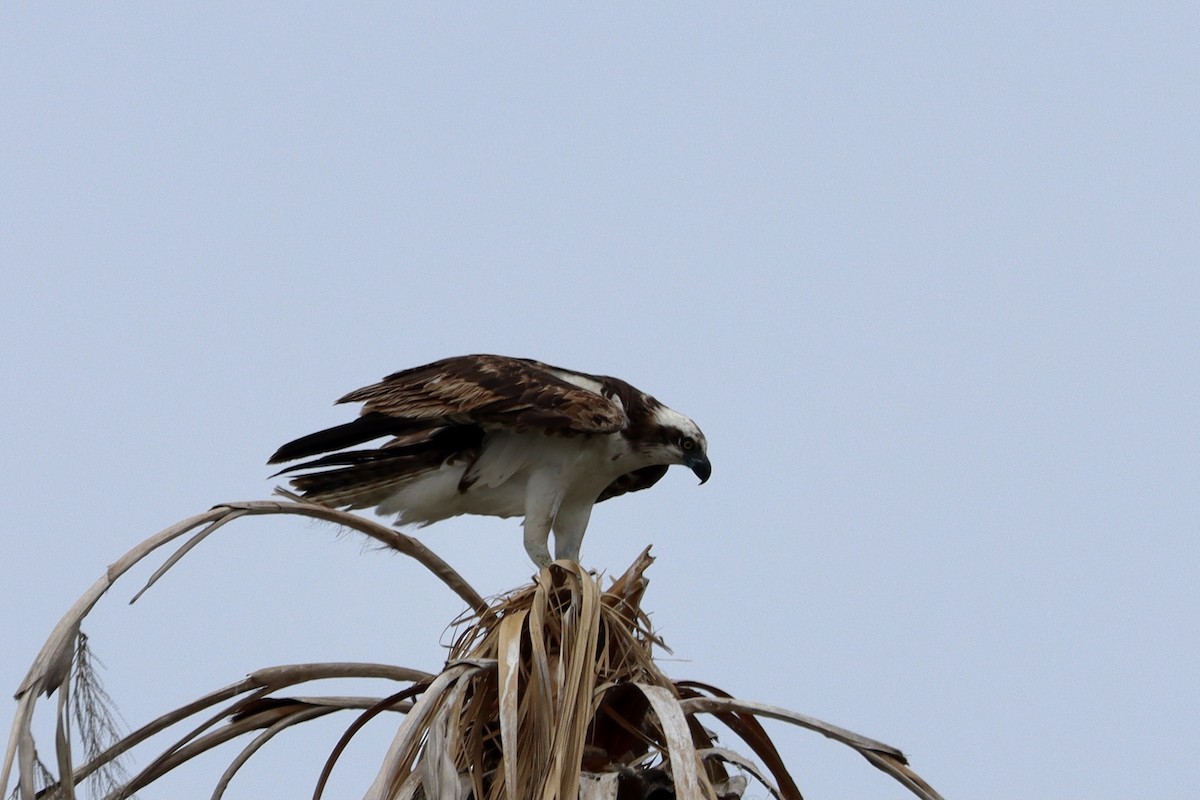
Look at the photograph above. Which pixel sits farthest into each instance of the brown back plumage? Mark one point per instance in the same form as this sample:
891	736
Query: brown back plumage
513	393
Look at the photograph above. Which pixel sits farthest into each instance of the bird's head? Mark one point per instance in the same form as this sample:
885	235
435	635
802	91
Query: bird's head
680	441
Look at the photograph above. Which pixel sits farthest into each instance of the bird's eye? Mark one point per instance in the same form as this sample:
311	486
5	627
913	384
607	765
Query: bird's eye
688	444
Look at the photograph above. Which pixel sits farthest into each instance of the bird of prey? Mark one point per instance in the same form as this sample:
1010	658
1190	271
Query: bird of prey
497	436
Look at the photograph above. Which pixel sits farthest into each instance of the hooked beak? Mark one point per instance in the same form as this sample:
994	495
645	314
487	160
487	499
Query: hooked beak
699	464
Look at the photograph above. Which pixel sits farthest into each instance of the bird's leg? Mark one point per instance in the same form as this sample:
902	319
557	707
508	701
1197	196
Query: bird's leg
541	504
537	538
569	526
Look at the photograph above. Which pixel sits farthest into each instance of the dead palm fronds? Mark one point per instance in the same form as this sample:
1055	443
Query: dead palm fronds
549	693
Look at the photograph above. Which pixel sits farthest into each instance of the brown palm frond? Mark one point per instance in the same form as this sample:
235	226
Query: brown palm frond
551	692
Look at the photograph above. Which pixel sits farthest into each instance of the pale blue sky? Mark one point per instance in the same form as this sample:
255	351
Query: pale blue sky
925	275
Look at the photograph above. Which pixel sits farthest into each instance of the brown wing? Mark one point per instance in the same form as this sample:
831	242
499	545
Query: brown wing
493	392
634	481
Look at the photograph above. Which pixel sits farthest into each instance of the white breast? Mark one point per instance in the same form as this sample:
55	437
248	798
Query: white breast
497	482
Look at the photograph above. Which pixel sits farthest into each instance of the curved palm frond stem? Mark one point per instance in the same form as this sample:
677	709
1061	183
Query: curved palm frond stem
52	668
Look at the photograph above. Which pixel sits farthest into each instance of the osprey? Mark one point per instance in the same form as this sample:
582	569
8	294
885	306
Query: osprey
501	437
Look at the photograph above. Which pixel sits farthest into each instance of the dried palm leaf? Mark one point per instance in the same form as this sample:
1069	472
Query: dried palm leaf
551	692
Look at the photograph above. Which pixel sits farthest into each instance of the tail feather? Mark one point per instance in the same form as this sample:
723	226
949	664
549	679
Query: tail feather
361	486
364	478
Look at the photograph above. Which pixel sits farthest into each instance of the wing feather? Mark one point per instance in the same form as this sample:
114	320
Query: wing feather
367	427
634	481
495	392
